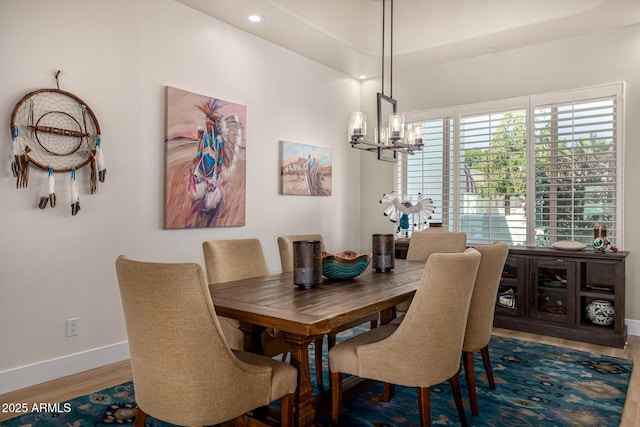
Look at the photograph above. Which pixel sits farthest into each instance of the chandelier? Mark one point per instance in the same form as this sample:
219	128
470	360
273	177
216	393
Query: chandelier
391	136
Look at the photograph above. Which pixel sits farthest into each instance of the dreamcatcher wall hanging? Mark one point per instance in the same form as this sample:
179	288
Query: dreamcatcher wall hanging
57	132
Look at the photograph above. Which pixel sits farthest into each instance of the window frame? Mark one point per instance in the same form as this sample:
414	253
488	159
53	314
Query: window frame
529	104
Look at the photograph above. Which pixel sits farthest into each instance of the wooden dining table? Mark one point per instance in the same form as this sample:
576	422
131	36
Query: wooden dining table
274	301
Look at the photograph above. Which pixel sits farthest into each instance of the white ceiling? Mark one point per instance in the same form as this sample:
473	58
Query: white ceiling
346	35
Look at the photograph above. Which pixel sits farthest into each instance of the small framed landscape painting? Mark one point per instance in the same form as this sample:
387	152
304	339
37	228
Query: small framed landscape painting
305	170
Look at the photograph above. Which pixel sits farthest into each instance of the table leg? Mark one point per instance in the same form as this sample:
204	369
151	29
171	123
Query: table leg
387	315
304	410
252	337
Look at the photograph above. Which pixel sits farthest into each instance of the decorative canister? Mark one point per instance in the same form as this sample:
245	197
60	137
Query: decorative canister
307	263
600	312
600	241
383	250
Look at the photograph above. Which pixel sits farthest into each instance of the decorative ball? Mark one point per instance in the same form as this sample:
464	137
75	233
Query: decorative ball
600	312
344	265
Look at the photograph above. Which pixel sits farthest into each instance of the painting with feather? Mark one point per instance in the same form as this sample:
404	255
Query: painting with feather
205	182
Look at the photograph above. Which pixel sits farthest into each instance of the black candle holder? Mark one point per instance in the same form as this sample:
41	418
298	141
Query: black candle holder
383	249
307	263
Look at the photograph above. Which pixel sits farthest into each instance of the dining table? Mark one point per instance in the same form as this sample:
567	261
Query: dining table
303	315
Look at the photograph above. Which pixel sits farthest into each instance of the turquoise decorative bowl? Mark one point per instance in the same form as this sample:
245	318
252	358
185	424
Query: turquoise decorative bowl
344	265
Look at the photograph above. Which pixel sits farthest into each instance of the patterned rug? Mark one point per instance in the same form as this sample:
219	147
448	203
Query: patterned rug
537	385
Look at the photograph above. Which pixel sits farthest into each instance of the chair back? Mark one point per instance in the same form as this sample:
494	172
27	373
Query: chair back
285	245
485	291
235	259
424	243
183	371
426	347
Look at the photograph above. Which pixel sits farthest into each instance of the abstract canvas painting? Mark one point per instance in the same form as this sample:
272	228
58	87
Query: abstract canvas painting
305	169
205	177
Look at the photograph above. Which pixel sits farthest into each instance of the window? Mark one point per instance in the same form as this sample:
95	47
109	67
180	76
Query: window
526	171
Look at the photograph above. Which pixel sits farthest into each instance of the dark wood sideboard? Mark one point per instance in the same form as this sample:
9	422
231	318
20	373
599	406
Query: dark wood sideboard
546	291
551	291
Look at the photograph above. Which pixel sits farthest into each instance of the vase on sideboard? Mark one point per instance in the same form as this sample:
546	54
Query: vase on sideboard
600	241
600	312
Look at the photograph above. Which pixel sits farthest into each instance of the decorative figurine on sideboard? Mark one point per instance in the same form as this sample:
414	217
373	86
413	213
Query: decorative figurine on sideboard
407	214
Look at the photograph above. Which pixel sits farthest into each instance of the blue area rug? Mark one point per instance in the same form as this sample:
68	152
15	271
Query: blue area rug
537	385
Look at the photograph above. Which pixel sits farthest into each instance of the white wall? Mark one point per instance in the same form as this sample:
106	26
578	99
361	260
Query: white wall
118	56
607	57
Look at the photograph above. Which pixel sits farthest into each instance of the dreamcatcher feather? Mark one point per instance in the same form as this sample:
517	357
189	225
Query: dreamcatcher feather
48	192
73	191
55	131
420	211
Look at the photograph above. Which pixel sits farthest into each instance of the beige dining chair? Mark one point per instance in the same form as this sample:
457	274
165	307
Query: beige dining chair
424	243
237	259
285	246
425	349
481	310
183	371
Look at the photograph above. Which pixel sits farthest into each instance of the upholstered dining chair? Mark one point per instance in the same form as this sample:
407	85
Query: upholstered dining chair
481	311
285	246
424	243
237	259
425	349
183	370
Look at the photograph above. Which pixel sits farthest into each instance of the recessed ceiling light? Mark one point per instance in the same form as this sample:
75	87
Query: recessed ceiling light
255	18
362	76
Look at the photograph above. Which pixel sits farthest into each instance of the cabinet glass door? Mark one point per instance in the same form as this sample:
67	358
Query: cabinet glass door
554	290
510	299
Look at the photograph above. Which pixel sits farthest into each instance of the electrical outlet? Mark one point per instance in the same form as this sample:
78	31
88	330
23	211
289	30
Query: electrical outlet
73	327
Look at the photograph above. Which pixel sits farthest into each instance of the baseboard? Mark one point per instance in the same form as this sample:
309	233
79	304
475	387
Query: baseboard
633	327
36	373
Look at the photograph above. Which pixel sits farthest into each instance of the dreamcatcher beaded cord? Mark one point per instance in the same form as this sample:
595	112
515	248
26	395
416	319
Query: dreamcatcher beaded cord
56	131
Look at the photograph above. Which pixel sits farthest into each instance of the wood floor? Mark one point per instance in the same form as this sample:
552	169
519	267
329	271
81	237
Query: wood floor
67	388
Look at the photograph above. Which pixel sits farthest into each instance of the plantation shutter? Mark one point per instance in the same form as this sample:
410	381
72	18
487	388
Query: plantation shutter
576	155
492	176
429	171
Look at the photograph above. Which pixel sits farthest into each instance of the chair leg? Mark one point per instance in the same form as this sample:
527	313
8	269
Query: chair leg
141	417
286	414
389	392
424	406
318	352
457	396
373	324
467	357
336	397
487	366
331	341
261	413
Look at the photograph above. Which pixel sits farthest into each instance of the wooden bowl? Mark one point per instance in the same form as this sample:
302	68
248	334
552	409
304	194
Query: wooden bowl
344	265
